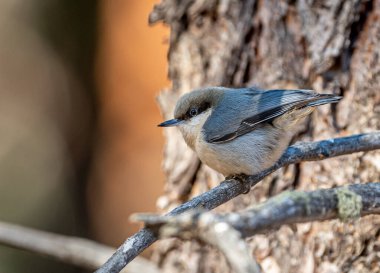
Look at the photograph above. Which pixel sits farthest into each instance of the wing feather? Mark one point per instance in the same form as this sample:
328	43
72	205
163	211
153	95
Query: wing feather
239	114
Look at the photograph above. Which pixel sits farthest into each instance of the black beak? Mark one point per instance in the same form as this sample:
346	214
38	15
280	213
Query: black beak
170	122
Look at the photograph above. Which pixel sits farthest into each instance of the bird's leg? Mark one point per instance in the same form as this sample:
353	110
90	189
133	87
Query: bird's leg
242	178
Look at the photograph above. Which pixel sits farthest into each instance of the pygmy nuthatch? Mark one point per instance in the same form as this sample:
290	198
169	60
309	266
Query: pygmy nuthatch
242	131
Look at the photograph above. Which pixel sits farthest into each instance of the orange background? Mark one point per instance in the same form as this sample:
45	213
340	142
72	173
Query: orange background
131	68
80	149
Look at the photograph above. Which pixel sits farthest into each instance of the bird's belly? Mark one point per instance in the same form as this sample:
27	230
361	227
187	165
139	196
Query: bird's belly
247	154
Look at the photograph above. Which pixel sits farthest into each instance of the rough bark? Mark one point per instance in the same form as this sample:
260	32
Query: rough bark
329	46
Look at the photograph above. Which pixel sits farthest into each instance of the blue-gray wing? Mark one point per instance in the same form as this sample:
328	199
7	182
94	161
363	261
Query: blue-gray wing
242	110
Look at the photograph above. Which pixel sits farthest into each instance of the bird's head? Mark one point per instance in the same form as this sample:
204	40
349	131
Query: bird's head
192	111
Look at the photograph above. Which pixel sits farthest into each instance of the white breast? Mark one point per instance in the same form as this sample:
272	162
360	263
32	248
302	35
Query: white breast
247	154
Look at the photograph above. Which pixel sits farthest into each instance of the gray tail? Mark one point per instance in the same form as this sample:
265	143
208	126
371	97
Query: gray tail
324	99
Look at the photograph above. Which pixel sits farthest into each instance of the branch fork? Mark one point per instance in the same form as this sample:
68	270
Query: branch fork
229	189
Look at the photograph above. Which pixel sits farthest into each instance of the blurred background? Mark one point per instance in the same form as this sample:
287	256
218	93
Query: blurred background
79	146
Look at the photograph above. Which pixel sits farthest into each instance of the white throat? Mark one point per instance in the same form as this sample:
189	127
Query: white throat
191	128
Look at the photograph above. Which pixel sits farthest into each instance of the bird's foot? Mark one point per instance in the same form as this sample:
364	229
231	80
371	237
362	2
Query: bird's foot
242	178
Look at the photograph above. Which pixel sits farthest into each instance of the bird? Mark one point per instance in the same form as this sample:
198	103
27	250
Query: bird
242	131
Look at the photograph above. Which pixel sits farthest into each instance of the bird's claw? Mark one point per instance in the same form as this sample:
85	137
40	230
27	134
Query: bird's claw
242	178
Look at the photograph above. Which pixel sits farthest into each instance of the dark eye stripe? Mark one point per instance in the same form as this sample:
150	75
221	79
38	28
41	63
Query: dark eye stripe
194	111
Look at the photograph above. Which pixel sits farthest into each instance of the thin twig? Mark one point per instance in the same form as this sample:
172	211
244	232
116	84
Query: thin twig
72	250
205	226
228	240
229	189
209	230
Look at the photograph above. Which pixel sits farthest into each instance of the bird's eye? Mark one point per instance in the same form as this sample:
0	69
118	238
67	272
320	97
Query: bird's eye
193	112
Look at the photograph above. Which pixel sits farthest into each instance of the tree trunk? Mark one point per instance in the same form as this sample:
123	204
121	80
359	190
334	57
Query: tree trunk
329	46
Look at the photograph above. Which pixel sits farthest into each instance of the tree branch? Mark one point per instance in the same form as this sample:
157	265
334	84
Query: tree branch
209	230
229	189
347	202
229	242
76	251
